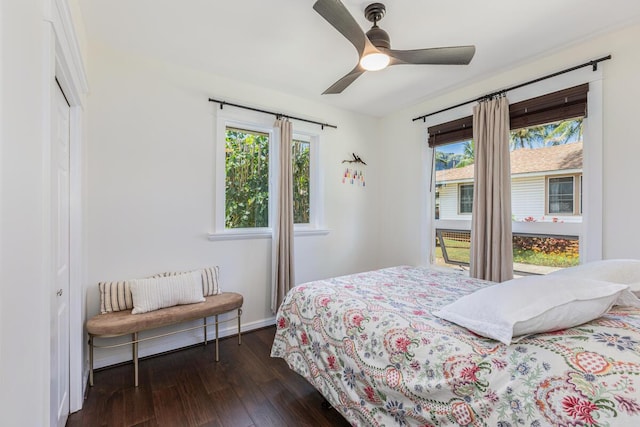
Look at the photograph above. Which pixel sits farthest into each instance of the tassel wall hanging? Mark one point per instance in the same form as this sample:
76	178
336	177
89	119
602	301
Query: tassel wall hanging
354	176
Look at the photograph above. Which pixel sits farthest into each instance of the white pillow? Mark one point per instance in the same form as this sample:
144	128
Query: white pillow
535	304
210	279
154	293
610	270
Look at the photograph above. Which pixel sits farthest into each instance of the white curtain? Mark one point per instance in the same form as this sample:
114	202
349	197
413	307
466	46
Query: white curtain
491	238
282	250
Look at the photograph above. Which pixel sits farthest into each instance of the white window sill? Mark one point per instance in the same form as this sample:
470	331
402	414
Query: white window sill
263	234
310	232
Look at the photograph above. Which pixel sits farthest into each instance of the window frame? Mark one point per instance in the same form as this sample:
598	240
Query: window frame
315	212
576	195
460	185
220	181
590	231
255	122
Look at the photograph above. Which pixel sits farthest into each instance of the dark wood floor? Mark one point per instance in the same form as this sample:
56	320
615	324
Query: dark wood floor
188	388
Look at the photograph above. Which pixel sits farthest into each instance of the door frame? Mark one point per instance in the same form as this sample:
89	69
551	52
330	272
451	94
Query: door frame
64	62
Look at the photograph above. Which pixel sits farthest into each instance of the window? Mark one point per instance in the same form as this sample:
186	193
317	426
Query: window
246	178
301	159
246	171
538	234
546	163
466	198
561	195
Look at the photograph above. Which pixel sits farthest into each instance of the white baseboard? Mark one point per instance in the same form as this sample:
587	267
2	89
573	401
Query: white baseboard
108	357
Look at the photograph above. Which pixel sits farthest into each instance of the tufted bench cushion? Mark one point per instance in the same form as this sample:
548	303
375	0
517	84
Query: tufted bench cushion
123	322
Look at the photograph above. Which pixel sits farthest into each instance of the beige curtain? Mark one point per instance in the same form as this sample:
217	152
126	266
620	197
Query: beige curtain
282	250
491	239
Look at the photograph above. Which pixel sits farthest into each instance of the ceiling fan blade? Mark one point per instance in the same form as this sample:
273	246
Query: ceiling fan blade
454	55
337	15
345	81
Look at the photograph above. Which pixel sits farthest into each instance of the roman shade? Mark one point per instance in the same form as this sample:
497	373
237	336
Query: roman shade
561	105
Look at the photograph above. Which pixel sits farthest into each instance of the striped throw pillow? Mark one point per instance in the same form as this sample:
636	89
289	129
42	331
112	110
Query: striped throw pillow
210	279
115	296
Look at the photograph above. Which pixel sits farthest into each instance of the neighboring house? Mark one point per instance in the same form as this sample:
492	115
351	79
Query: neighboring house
546	186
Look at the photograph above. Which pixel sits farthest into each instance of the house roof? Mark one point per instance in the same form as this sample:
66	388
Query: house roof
527	160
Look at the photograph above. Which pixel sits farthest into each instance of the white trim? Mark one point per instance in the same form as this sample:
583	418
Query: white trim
48	262
265	234
302	232
427	203
244	234
592	209
68	67
71	69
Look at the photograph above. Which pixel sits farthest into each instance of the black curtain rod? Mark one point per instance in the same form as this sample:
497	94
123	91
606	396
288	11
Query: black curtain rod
278	115
592	63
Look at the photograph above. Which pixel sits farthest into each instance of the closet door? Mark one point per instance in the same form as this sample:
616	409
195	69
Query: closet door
60	217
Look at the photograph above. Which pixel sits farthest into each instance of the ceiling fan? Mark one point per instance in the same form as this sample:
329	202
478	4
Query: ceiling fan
374	47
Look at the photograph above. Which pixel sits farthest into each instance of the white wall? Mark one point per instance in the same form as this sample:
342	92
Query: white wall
405	148
24	287
150	201
151	185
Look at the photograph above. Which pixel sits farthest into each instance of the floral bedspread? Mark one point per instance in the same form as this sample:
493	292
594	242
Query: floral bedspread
369	343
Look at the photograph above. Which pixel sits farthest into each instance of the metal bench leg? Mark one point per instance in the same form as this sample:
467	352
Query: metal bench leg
91	360
217	356
239	335
135	358
204	323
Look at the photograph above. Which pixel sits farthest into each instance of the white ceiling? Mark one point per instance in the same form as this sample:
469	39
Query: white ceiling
286	46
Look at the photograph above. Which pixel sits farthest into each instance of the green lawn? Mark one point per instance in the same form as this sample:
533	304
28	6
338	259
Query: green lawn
460	251
547	260
457	251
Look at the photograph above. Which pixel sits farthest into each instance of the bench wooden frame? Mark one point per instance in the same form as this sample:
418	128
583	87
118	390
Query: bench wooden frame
121	323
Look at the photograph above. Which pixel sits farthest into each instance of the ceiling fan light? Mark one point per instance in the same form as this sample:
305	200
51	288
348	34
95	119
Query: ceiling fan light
374	61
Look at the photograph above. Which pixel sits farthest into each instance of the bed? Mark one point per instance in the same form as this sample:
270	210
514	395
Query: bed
371	346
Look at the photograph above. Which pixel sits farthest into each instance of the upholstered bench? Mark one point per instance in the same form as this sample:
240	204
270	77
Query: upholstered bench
120	323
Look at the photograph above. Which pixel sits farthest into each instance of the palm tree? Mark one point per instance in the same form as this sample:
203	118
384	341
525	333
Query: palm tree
565	131
468	155
527	137
442	160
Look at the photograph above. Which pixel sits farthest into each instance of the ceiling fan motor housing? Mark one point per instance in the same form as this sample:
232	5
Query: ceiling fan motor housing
379	37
